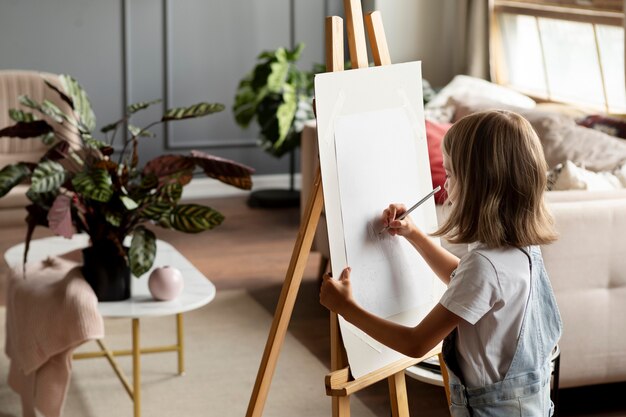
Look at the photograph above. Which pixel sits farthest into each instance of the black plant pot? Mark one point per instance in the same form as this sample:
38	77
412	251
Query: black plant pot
106	270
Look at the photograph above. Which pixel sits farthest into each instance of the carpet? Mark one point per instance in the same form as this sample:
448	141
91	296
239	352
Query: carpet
224	344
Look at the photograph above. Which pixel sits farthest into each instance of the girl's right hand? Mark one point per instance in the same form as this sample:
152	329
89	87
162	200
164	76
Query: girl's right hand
397	227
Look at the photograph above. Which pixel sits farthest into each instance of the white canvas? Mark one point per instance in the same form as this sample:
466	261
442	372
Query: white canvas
373	152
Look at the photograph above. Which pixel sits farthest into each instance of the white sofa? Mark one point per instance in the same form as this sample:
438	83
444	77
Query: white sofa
587	268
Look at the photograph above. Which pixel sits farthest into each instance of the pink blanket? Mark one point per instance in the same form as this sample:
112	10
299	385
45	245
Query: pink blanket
49	313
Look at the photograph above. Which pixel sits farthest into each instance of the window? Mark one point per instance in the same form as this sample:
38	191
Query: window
562	50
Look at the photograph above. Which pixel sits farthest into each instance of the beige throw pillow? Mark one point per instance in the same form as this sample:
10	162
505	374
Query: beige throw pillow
561	137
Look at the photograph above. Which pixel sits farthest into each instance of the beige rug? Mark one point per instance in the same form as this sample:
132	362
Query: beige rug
224	344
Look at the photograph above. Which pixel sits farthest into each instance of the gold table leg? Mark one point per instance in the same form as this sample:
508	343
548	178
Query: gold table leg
134	392
136	369
180	344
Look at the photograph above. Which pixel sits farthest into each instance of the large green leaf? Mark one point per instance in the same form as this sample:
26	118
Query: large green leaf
285	115
196	110
278	75
245	104
80	102
27	129
47	176
12	175
142	251
95	185
194	218
224	170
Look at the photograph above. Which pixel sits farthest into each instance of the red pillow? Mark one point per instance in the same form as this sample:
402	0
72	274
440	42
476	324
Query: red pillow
434	136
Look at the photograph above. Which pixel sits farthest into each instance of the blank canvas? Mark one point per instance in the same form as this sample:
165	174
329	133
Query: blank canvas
373	152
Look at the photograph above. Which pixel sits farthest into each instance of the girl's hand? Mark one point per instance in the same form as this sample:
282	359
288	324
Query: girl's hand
336	295
397	227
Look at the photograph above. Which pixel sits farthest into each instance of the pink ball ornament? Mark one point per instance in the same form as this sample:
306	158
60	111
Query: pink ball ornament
165	283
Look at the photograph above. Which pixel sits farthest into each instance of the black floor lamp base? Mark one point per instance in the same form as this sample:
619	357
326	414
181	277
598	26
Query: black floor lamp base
274	198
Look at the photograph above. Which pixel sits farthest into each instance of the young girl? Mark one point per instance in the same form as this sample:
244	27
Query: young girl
498	315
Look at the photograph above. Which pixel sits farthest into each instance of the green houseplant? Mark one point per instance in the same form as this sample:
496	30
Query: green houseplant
82	185
278	96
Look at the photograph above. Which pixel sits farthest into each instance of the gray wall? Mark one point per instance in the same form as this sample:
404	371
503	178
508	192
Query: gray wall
184	51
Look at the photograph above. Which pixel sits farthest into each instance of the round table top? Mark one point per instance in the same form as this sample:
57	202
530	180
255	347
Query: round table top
197	290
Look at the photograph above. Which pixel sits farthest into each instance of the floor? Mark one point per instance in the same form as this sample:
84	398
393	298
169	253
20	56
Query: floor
252	249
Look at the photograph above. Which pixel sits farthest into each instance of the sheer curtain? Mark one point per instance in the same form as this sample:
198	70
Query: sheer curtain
449	36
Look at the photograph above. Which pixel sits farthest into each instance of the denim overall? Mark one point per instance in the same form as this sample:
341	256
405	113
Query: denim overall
525	389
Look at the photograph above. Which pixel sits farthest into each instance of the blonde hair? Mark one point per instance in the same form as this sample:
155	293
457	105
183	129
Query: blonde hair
500	172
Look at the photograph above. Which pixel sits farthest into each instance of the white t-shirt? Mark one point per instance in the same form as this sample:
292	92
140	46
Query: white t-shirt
489	290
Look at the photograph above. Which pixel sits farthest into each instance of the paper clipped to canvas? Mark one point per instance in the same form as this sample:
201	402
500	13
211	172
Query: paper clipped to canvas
373	152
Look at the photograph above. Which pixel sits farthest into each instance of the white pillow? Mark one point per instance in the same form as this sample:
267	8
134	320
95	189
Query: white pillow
620	173
572	177
463	85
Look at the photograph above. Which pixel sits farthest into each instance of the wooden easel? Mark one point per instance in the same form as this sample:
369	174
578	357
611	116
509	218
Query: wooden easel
338	383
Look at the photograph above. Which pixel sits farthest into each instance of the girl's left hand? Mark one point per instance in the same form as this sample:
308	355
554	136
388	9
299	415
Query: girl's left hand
336	295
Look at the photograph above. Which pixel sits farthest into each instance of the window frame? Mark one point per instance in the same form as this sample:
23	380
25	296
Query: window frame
595	12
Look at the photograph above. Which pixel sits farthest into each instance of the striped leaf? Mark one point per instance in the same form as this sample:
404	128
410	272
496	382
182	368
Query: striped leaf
48	176
95	185
53	111
42	200
12	175
170	193
135	107
21	116
142	251
197	110
137	131
224	170
194	218
156	211
80	101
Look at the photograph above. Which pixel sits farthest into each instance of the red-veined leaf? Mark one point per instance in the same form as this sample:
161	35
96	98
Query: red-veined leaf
60	216
224	170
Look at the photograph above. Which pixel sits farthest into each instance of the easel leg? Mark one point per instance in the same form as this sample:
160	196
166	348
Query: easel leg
444	376
398	395
284	309
338	360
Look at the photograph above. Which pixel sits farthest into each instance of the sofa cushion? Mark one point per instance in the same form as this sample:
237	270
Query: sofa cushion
434	135
568	176
462	85
562	139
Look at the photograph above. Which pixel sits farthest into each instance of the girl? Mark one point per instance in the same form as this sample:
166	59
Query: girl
498	315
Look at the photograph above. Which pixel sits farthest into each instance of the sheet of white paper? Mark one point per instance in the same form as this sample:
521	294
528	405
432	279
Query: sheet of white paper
373	152
377	164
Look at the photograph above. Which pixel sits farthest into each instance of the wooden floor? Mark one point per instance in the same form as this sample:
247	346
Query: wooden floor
252	250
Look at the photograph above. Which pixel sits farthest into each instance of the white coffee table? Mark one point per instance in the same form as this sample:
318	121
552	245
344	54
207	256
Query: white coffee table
197	292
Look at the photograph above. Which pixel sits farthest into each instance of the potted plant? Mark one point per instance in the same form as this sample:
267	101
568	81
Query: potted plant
279	97
82	185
